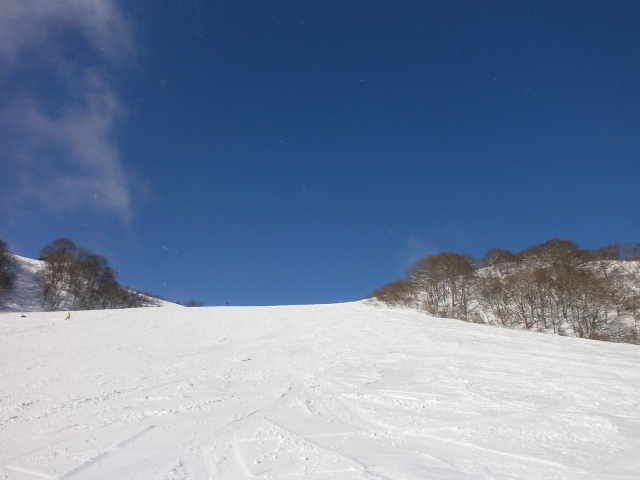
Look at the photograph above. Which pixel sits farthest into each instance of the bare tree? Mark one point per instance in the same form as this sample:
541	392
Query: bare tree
89	273
500	260
398	293
77	278
555	286
495	298
8	268
444	284
55	276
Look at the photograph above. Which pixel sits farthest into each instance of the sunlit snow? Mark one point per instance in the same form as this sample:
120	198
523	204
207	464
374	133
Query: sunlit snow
347	391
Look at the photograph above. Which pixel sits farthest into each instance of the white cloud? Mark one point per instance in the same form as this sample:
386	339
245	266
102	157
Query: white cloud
61	107
39	25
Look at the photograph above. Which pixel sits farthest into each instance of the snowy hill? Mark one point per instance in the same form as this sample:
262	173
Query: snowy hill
26	295
345	391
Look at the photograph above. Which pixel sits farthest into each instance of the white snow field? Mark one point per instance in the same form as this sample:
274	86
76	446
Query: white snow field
347	391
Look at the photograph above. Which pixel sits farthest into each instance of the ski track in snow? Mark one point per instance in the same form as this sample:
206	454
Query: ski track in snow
347	391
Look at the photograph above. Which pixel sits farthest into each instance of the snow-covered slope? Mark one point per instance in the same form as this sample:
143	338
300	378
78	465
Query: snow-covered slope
26	295
345	391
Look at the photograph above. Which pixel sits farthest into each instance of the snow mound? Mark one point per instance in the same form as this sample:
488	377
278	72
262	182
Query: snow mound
345	391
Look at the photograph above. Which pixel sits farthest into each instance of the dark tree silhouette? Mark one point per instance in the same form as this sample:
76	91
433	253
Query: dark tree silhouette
8	269
76	278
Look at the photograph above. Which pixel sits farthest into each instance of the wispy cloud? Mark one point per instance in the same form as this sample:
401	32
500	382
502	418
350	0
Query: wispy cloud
60	106
415	249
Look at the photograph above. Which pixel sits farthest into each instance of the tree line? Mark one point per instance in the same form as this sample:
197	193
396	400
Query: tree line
74	278
555	287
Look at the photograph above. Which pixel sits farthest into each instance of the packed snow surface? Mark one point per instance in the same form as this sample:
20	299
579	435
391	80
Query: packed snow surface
348	391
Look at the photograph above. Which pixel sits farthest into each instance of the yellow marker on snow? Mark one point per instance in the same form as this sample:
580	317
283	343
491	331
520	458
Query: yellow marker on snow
68	315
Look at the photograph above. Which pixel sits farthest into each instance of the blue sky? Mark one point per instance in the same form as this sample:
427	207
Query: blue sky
283	152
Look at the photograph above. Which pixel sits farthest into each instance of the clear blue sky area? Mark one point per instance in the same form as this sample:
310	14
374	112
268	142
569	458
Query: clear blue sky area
284	152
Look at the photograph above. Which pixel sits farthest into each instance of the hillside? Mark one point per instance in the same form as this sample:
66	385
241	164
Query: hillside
26	295
346	391
554	287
